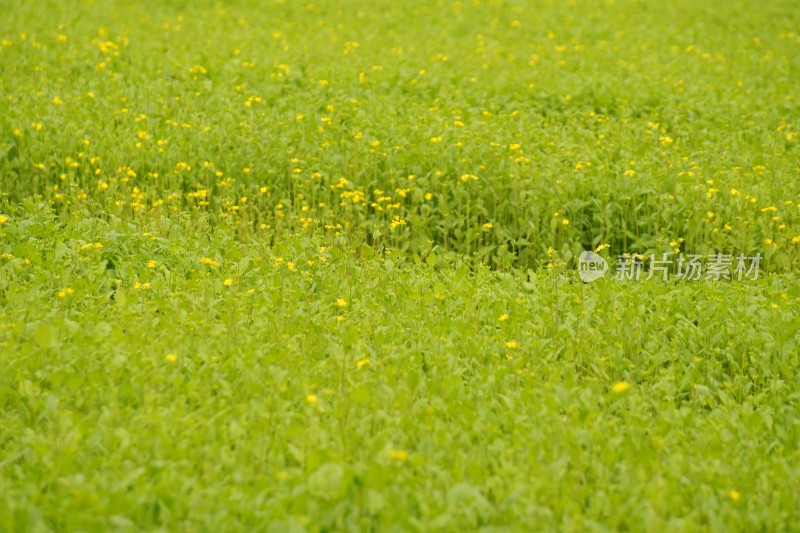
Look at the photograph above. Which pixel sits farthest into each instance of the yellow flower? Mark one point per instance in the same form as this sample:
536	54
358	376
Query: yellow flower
171	358
734	494
3	219
208	261
601	248
362	362
511	345
488	225
398	455
620	386
290	266
397	221
152	263
63	293
312	399
503	317
228	282
341	302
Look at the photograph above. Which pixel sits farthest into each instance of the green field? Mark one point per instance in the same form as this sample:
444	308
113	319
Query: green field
313	266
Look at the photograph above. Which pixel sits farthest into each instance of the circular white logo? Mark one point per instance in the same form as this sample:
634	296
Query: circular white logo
591	266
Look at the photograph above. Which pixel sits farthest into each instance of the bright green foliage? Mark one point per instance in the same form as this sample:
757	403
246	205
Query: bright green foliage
309	266
326	386
561	124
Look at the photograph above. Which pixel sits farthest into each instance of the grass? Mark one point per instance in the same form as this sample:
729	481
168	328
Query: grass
284	266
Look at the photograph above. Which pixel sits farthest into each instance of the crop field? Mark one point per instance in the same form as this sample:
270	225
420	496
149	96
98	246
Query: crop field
318	265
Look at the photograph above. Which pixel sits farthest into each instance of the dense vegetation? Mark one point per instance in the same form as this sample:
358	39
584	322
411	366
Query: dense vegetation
311	265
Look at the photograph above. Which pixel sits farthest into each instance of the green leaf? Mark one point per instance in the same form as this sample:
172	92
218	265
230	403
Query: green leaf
431	259
45	336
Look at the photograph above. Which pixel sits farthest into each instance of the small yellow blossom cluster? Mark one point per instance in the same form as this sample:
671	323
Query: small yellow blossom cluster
63	293
397	222
676	244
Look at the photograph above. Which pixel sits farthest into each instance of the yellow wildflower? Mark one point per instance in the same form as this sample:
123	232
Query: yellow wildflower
398	455
620	386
